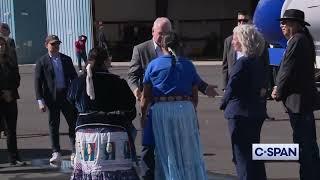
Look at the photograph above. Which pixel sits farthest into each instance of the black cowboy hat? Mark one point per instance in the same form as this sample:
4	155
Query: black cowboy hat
294	15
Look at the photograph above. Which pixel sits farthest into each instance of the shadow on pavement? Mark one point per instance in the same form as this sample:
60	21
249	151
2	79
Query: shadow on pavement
49	177
37	167
60	177
32	173
216	176
284	179
30	154
28	170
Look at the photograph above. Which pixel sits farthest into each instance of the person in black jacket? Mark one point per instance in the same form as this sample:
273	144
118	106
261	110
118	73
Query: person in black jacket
103	98
53	74
295	87
108	93
102	40
10	81
5	32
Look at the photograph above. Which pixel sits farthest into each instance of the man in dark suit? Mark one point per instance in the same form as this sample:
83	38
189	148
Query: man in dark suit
142	54
230	56
53	74
295	87
102	39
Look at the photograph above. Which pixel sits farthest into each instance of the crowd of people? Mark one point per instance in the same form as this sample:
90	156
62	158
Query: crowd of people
165	84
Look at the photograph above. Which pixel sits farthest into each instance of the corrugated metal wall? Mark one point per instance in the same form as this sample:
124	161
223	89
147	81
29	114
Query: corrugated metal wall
7	14
31	29
68	19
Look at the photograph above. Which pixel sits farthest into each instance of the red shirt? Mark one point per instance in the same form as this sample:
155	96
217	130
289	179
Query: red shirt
80	45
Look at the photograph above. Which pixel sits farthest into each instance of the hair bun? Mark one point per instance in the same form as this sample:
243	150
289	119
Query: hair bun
170	40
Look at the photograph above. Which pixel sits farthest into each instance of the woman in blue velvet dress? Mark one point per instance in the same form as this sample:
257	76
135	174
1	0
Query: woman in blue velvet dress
171	91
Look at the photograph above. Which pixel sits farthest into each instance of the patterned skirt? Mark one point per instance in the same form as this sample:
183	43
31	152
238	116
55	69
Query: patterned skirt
103	152
178	150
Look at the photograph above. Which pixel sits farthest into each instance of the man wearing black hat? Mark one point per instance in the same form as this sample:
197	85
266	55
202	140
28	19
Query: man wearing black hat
295	87
53	74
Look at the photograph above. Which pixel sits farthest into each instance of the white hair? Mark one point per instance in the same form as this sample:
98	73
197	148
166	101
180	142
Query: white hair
251	40
162	21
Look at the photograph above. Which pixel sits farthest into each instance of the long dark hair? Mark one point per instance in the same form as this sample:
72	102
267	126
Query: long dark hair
99	56
309	36
170	41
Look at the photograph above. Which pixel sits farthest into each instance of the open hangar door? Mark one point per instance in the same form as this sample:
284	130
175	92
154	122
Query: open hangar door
201	24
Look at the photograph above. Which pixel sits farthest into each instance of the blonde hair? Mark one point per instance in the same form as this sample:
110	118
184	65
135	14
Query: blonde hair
251	40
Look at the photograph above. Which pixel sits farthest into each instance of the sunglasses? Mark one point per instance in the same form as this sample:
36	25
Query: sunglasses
283	22
243	20
55	44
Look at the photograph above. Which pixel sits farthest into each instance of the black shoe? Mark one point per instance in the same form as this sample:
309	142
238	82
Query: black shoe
18	163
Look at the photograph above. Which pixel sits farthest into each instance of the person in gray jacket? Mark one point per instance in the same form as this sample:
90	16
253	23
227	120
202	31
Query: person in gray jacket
142	54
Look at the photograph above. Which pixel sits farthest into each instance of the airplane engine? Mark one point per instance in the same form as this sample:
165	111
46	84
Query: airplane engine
265	19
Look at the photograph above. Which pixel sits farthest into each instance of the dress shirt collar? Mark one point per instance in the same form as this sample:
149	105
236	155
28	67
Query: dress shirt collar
289	40
57	55
239	54
155	45
157	49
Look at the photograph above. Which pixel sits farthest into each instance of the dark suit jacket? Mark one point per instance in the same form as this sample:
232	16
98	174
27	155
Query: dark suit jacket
11	82
229	58
295	80
242	95
142	54
10	77
102	40
45	87
13	52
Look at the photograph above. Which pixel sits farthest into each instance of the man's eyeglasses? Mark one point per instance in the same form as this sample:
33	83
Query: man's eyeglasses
283	22
243	20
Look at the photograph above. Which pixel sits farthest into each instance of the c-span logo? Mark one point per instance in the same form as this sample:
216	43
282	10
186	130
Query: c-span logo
275	152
